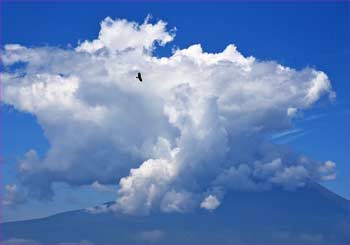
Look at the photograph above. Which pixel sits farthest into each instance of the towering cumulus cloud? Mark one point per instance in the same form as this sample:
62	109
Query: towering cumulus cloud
196	128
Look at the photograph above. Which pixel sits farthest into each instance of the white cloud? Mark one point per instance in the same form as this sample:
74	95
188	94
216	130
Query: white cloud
103	208
152	235
101	188
301	237
198	121
311	237
120	35
287	133
291	177
79	242
210	203
328	170
177	202
291	111
13	195
145	185
20	241
238	178
319	86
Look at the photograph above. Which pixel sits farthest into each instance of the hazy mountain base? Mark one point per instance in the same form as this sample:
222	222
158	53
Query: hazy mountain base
311	215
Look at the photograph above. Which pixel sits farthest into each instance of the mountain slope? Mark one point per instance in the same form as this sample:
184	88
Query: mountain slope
311	215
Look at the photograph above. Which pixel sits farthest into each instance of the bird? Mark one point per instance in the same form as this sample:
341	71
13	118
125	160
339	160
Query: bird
139	76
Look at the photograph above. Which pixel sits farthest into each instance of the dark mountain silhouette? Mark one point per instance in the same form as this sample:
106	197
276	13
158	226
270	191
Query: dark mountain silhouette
309	215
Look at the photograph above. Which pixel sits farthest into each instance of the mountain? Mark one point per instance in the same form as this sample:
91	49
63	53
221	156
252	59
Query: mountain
309	215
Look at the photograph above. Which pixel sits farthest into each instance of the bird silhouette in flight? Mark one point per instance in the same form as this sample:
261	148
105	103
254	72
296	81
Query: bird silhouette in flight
139	76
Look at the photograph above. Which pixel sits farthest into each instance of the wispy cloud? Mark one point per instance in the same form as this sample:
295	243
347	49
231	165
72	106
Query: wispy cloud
286	133
291	137
314	117
288	136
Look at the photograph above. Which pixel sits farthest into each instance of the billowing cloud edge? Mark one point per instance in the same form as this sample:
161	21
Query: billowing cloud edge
194	129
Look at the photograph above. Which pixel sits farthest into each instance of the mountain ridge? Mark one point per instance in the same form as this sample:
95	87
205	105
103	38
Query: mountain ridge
310	215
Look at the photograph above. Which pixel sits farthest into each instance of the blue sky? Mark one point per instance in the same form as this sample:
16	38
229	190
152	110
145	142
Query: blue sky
297	35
